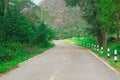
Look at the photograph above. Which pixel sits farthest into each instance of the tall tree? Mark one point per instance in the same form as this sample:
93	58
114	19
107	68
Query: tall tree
101	14
6	5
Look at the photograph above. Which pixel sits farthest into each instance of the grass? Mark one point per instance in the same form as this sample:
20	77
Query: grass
112	45
24	55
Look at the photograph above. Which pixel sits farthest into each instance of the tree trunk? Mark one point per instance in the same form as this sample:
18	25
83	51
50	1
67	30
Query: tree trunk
99	39
6	2
105	39
99	34
105	34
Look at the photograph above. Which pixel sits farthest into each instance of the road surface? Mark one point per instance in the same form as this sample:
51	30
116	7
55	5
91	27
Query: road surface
63	62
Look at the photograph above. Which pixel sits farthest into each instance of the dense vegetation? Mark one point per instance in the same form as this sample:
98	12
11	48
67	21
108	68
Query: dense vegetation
22	32
103	15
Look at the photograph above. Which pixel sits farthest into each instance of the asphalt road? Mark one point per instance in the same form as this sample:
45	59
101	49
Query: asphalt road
63	62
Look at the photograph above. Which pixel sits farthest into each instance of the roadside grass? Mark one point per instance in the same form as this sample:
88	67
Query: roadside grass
112	45
25	54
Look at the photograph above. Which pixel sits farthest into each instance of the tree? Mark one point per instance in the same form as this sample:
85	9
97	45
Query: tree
90	15
117	16
17	26
17	29
99	13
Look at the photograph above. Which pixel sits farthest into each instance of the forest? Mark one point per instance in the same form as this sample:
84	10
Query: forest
23	32
103	15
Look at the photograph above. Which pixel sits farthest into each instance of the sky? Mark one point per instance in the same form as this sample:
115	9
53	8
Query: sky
37	1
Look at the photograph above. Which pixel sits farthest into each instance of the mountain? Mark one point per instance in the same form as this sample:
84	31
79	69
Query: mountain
68	21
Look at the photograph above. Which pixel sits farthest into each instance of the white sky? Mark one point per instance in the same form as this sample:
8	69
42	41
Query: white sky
36	1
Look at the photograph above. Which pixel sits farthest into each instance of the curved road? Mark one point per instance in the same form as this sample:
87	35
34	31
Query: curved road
63	62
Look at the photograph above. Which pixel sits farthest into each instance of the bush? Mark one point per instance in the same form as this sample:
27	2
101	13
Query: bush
10	51
44	34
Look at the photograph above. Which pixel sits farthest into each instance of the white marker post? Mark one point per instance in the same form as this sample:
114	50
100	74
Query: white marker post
115	56
102	49
97	47
94	47
108	52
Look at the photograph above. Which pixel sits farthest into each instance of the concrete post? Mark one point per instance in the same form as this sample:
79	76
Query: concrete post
108	52
115	56
102	49
97	47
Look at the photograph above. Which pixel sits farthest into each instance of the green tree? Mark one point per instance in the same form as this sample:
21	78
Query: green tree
18	27
102	14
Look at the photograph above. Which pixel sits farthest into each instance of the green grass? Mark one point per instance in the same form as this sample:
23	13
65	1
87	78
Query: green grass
112	45
25	54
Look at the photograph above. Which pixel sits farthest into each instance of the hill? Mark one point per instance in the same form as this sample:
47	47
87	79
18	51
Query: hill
68	21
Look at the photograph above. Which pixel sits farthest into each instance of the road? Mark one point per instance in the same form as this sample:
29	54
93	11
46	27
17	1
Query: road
63	62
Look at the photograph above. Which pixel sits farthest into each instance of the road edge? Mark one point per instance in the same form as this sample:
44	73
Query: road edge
99	58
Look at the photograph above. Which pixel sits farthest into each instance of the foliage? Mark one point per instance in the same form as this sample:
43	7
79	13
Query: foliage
18	27
44	34
68	32
9	51
20	54
104	15
19	33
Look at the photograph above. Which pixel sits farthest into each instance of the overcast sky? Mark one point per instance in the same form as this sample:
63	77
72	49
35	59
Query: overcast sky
36	1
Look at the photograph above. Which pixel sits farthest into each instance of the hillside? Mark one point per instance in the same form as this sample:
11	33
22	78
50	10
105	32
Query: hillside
67	19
